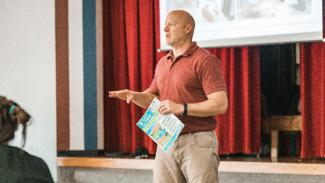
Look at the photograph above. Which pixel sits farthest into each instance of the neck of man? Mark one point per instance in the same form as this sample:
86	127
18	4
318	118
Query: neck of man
181	49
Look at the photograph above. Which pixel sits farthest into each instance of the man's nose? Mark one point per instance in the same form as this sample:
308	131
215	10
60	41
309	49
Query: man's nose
166	28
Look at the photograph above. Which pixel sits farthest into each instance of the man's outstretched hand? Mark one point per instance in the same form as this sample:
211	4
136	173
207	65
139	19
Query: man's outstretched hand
141	99
126	95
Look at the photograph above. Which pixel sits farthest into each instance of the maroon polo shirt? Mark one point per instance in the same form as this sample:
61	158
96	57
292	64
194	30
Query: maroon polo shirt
189	79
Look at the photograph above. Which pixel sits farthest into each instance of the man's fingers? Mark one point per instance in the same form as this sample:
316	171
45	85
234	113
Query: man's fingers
129	98
121	94
125	95
163	110
160	110
112	94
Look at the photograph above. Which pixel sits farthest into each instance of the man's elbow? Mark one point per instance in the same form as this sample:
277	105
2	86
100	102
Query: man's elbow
220	102
223	109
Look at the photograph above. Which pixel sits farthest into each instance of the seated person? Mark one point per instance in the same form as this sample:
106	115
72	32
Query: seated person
16	165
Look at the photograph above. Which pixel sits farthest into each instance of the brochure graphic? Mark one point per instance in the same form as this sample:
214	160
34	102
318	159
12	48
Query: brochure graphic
163	129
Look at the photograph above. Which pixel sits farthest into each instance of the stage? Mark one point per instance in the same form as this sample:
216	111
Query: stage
238	169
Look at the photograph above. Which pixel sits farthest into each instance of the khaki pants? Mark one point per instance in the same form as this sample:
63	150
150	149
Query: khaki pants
193	158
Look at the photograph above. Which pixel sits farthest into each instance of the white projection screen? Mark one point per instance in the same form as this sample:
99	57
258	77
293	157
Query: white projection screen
223	23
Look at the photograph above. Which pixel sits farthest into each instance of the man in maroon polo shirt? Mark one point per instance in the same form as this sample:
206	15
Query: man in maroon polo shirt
189	83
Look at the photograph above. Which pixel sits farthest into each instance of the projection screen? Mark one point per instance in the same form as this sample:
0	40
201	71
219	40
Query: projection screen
223	23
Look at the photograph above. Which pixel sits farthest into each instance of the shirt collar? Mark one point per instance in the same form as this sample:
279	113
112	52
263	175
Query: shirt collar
188	52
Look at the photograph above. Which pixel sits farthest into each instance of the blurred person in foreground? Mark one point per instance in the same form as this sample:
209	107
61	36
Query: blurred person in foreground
16	165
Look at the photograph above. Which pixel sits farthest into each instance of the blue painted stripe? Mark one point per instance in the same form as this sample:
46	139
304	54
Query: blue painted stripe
89	66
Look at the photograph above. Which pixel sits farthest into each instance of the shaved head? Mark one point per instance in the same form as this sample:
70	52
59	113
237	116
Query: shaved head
184	17
179	29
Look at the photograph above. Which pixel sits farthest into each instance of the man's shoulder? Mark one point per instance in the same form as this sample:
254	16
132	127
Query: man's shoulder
162	60
203	51
203	55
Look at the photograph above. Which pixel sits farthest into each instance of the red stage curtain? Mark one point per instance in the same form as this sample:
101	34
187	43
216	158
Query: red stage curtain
312	90
323	18
131	39
239	129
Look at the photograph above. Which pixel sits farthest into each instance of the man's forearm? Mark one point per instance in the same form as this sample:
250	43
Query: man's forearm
143	99
217	103
206	108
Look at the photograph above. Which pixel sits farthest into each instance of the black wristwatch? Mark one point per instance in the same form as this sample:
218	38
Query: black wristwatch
185	109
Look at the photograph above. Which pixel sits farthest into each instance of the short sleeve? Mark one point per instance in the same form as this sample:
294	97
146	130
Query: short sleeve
153	88
211	75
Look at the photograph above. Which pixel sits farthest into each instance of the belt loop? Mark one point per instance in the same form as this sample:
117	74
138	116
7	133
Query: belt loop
190	134
191	137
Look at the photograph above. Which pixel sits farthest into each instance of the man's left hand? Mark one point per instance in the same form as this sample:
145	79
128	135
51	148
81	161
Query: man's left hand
168	106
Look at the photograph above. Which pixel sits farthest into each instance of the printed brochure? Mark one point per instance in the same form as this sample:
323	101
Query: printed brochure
163	129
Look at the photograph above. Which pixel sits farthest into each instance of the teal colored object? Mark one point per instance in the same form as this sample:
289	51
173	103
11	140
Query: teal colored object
12	108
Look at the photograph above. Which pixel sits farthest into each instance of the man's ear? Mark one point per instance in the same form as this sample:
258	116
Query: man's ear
188	28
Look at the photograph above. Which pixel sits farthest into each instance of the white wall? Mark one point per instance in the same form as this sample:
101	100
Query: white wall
76	90
27	70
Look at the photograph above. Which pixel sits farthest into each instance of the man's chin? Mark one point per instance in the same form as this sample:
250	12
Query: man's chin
169	43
